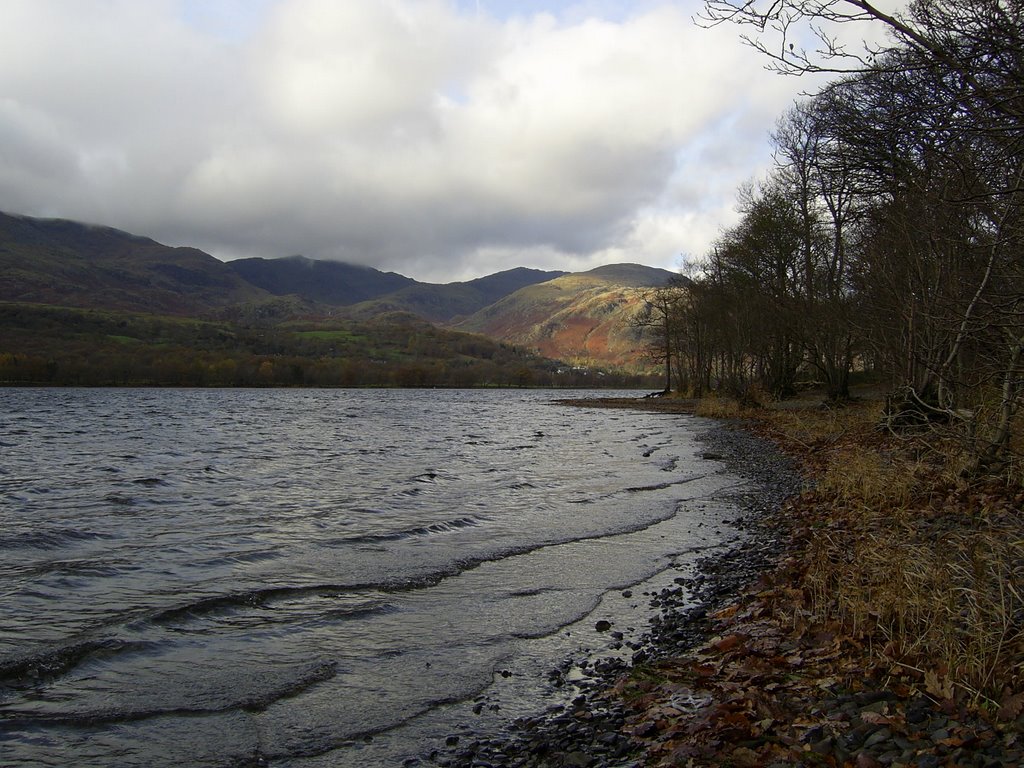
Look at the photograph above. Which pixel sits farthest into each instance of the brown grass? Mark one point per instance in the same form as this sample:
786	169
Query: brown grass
714	407
925	567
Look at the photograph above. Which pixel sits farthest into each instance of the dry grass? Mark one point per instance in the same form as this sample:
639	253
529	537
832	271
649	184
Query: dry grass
864	477
924	567
714	407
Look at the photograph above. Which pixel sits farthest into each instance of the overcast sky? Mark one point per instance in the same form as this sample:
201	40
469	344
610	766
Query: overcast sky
441	139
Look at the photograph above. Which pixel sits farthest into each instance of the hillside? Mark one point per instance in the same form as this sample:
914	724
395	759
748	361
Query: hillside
67	263
64	346
583	318
442	303
328	282
52	261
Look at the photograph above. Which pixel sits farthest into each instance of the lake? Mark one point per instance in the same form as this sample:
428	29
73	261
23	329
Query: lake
321	577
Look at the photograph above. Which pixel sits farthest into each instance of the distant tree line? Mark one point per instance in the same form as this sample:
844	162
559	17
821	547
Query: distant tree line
184	367
888	235
61	346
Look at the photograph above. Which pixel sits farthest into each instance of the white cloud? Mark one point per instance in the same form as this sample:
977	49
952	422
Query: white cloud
413	135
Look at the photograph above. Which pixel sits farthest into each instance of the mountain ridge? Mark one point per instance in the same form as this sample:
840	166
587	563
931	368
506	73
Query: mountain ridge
579	317
59	261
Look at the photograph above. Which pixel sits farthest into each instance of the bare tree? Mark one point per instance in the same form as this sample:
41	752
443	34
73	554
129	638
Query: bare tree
917	154
659	316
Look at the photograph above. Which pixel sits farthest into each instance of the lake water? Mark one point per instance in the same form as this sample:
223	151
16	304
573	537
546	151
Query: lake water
320	577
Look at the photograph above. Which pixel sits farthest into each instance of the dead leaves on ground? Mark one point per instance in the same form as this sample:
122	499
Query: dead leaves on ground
762	690
732	693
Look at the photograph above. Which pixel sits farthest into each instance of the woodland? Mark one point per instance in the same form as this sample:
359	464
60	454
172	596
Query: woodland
888	235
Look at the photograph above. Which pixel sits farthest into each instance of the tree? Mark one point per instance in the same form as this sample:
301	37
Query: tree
659	315
927	130
819	182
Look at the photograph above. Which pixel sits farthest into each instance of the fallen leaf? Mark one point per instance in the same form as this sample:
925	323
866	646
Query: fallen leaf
827	682
941	688
875	718
704	670
725	613
744	756
1011	706
727	643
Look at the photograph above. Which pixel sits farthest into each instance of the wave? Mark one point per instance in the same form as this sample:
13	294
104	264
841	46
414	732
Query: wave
445	526
301	678
663	486
266	598
354	602
49	538
53	662
88	567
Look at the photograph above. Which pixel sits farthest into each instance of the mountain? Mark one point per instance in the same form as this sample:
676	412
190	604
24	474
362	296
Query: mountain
53	261
444	303
68	263
328	282
582	318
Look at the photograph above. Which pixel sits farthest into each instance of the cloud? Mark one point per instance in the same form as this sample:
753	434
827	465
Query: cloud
413	135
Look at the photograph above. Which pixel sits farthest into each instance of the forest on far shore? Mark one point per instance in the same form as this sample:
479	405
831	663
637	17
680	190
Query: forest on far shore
62	346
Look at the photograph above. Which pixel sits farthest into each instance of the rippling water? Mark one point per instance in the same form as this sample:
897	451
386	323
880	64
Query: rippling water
317	577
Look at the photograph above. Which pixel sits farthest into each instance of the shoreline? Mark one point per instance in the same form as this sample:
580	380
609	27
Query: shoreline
593	729
736	668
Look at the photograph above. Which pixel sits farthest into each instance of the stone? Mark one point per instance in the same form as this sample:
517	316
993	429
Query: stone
576	760
882	734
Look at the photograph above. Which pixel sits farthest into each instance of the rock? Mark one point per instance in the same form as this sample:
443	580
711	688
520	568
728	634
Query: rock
603	625
882	734
813	734
648	728
576	760
824	746
918	712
